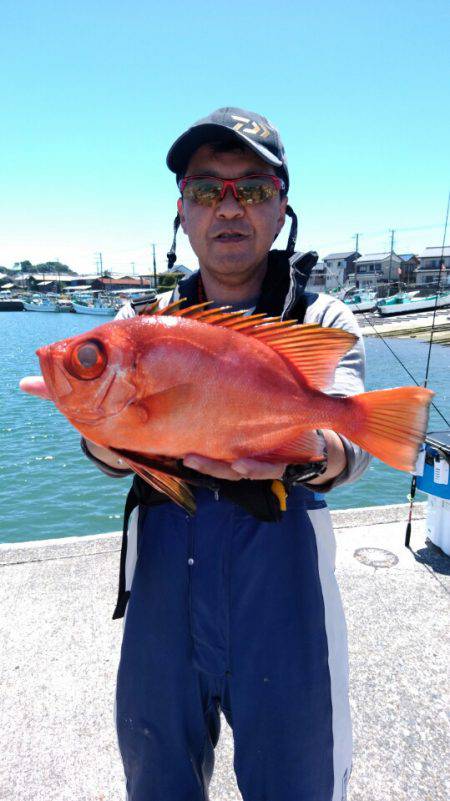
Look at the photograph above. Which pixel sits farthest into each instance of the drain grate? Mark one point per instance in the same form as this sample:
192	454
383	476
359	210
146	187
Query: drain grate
375	557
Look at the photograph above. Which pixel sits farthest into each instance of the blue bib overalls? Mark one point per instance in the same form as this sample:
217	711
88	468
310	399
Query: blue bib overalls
230	613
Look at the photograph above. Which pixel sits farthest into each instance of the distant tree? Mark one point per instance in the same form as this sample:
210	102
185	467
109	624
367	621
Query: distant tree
25	266
52	267
168	280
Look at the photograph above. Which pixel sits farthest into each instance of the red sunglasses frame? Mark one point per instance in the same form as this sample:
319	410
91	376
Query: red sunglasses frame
231	182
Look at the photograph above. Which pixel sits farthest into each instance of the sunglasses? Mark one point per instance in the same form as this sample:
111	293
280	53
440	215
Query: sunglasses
248	190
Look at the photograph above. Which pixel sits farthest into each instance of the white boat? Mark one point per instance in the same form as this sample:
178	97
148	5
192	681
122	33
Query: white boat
65	305
410	303
97	307
365	300
39	304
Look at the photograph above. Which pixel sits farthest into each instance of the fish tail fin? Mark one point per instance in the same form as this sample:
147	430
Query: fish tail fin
390	424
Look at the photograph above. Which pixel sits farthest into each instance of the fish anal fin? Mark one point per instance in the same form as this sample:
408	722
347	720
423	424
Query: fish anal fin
306	447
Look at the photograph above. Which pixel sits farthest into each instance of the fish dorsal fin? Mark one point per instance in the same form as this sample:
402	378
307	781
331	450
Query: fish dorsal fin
310	349
313	351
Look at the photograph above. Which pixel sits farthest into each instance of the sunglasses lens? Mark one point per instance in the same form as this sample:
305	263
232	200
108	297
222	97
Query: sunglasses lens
256	190
250	190
204	191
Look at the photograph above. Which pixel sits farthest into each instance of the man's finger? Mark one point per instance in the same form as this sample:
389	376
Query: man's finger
252	468
212	467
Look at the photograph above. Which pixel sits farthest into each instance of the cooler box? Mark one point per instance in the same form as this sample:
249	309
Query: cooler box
433	477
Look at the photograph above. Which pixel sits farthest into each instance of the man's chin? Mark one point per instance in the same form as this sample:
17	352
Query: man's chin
234	271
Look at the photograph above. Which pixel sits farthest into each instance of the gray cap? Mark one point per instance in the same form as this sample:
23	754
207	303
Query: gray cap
228	124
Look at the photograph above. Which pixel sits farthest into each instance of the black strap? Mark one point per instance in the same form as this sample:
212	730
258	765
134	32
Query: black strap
123	595
172	256
290	248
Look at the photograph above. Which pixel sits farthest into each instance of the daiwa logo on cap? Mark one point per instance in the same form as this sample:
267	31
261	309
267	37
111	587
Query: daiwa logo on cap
256	129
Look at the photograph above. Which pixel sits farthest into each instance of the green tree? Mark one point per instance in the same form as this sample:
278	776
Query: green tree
168	280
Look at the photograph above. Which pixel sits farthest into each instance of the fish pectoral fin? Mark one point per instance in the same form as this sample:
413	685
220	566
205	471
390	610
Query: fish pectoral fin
159	404
307	447
175	489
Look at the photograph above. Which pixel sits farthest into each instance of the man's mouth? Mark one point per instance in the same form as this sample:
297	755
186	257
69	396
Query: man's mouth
230	236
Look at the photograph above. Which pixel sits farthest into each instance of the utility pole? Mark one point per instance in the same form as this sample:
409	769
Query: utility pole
99	263
390	253
356	238
154	266
133	272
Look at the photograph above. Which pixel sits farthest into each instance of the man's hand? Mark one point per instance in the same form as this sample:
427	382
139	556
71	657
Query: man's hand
106	456
243	468
252	468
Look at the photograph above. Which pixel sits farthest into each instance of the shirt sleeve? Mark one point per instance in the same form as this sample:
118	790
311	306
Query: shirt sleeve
125	312
348	379
112	472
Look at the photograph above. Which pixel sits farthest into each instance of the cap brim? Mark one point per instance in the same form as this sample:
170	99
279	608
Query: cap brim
181	151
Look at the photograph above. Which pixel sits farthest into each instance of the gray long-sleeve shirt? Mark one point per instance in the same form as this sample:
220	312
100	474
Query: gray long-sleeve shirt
348	379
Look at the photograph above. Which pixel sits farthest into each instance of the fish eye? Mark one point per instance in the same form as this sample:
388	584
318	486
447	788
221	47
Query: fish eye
86	360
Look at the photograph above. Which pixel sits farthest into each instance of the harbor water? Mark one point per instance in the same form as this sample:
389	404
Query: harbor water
49	489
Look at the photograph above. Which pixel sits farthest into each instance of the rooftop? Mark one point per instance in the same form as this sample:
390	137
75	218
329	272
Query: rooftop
435	252
59	650
375	257
341	255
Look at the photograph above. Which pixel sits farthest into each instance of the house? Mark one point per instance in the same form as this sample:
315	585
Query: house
339	266
408	267
124	282
181	268
317	279
377	268
431	260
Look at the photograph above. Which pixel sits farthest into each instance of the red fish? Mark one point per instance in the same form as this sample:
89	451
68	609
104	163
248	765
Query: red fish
223	386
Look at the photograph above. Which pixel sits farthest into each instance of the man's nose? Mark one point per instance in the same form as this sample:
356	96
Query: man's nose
229	207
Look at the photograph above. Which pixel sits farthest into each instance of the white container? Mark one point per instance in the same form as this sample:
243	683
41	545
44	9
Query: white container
438	522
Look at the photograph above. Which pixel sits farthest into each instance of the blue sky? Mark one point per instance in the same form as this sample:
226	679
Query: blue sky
94	93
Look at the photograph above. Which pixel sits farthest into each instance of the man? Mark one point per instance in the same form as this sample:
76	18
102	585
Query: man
237	608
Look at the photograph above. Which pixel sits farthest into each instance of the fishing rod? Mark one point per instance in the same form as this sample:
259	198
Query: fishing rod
395	355
417	383
412	492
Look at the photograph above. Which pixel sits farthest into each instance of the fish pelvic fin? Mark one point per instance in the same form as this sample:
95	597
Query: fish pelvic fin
390	423
309	349
175	489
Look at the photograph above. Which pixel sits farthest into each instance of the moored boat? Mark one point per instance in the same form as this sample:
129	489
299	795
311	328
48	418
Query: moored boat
97	307
39	304
411	303
366	300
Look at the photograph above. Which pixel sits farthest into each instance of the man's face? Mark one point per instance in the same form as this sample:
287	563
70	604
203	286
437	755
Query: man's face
231	259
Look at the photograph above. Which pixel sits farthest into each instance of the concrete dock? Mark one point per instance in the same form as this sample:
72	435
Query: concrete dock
408	326
59	653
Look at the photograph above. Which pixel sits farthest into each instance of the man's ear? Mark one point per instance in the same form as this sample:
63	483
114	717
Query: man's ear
282	215
181	213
